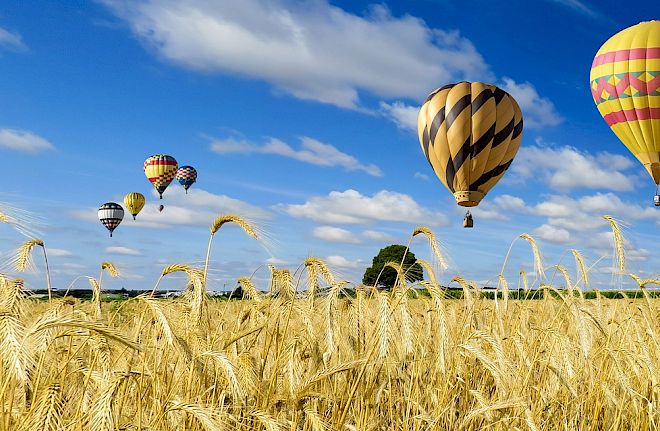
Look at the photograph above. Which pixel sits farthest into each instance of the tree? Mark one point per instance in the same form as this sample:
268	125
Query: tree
392	253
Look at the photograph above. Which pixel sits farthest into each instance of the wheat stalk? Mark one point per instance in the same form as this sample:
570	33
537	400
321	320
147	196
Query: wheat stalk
384	326
619	250
249	289
523	276
582	268
220	221
111	268
538	262
433	244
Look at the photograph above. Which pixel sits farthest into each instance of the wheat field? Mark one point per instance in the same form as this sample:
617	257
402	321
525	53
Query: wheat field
291	358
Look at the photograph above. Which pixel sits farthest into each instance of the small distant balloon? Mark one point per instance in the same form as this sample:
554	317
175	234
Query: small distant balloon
160	170
161	208
186	176
134	203
111	214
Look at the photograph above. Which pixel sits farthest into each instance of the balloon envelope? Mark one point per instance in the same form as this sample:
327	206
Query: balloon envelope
625	84
186	176
160	169
469	132
134	202
111	214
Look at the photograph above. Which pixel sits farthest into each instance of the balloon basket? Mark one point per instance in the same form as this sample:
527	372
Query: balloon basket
468	222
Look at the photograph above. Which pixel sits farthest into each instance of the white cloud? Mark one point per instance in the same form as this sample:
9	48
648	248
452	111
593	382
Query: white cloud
553	234
311	151
335	234
123	250
580	7
404	116
421	176
537	111
375	235
11	40
500	208
276	261
23	141
341	262
351	207
313	50
567	168
197	208
585	213
58	252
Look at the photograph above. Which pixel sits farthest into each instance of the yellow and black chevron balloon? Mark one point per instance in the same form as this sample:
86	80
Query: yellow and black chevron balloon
470	132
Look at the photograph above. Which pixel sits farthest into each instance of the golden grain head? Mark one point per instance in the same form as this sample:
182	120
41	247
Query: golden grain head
433	244
111	268
582	268
538	261
319	265
233	218
23	258
619	249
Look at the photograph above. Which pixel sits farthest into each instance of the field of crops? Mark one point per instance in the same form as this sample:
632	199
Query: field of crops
288	359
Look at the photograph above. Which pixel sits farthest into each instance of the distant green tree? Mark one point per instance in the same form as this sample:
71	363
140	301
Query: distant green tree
238	292
392	253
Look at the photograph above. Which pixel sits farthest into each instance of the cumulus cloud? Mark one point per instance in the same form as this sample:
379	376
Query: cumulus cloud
313	50
351	207
500	208
537	111
123	250
340	235
335	234
23	141
311	151
567	168
585	213
11	40
404	116
375	235
341	262
198	208
58	252
421	176
553	234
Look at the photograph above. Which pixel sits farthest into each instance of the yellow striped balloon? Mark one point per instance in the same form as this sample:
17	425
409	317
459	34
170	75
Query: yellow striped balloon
625	84
134	202
470	132
160	169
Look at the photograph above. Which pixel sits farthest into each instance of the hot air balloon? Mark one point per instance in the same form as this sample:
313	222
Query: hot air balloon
111	214
160	169
134	202
161	208
469	132
186	176
625	84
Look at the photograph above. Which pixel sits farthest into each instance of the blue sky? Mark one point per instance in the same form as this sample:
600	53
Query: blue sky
301	116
